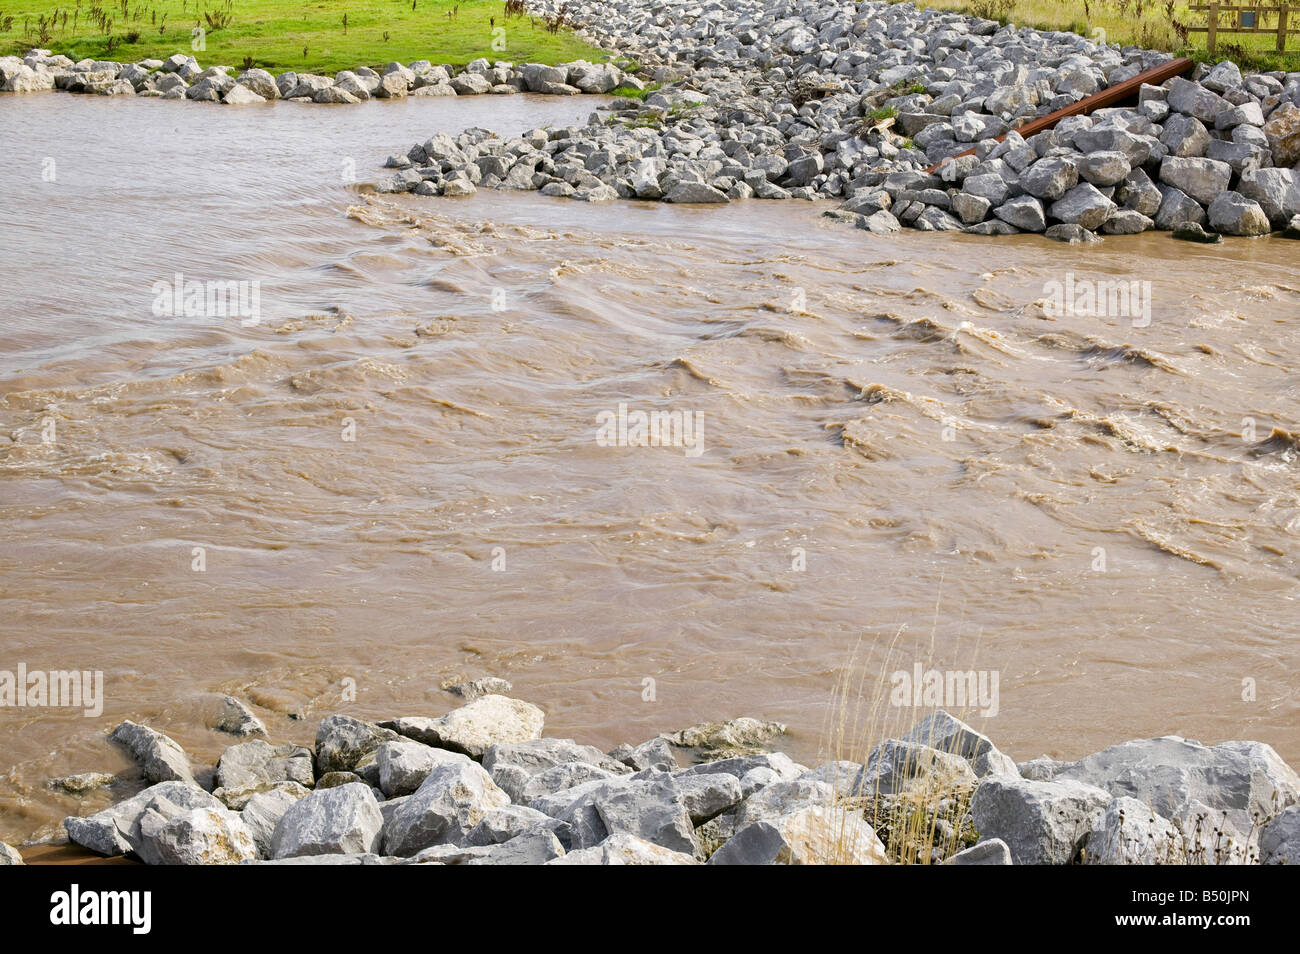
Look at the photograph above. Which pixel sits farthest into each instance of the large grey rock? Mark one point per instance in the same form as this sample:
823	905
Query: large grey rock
260	82
470	84
816	835
1177	209
1185	137
1041	822
116	830
991	186
476	727
537	847
1083	206
754	771
655	753
707	796
945	732
197	836
782	798
1105	168
1138	193
403	766
355	86
501	824
625	849
1276	190
1222	77
1128	832
1127	222
333	96
695	192
969	208
240	95
537	75
342	742
160	759
567	775
9	855
896	766
24	79
447	806
1202	179
342	820
1243	779
512	765
1234	214
653	809
993	851
1193	99
1110	138
263	811
1049	179
305	84
1279	839
1024	212
555	804
1283	133
254	766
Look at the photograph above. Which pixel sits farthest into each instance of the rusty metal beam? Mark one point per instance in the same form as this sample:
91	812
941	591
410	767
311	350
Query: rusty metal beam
1107	97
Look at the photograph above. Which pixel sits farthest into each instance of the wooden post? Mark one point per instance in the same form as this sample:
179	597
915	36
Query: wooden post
1212	34
1281	29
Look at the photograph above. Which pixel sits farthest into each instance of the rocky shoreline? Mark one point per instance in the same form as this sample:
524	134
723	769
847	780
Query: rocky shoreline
855	102
851	102
182	77
481	785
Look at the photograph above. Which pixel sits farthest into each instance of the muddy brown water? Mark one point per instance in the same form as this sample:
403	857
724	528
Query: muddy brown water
394	477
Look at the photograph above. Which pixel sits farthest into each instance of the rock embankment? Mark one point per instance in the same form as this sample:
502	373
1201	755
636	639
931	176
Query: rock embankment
181	77
482	785
856	101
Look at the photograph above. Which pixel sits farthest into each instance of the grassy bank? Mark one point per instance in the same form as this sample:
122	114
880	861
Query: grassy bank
320	35
1154	24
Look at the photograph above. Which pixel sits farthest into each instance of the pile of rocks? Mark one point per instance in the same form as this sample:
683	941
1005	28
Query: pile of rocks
181	77
480	785
856	101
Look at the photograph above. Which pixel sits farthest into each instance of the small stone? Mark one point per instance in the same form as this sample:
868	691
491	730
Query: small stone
235	718
475	688
1192	232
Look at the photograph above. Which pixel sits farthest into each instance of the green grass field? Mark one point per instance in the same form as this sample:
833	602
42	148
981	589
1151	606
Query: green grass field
287	34
1154	24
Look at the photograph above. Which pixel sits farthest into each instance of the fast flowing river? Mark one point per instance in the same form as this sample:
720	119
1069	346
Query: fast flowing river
905	454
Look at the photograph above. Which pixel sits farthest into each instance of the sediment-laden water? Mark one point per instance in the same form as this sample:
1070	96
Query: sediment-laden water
907	453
